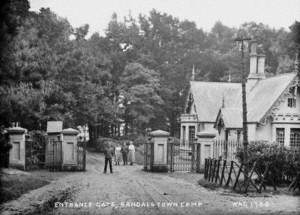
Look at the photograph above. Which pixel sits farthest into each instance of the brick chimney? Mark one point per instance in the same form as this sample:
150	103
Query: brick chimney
257	66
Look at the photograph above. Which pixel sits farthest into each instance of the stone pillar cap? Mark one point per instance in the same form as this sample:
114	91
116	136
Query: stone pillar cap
159	133
70	131
16	130
207	134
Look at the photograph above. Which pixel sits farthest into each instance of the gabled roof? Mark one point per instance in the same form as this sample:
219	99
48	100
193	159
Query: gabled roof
209	96
262	97
232	117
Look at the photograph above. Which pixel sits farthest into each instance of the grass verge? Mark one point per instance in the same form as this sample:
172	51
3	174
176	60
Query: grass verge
13	186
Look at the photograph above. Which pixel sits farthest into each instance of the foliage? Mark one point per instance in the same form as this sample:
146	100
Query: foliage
137	73
281	160
5	146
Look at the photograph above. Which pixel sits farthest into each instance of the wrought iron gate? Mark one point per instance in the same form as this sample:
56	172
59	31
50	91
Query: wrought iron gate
182	157
148	155
54	155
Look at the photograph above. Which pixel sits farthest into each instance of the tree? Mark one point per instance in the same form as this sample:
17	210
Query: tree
139	87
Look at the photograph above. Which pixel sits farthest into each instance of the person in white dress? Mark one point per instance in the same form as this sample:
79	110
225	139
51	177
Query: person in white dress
118	155
131	154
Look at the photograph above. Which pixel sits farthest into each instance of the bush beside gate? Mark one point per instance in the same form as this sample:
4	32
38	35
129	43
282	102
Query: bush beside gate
269	165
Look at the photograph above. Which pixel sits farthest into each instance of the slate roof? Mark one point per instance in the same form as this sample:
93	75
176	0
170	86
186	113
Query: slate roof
208	97
232	117
261	97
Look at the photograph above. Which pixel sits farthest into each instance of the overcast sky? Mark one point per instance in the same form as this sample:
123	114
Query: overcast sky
97	13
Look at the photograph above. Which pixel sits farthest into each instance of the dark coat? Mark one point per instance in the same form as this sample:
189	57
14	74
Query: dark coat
124	150
109	152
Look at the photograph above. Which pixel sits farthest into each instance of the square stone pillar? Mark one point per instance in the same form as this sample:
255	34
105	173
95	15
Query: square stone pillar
206	141
160	155
17	154
69	147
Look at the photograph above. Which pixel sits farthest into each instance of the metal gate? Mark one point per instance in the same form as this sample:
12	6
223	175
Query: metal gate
34	154
148	155
182	157
54	154
81	156
35	151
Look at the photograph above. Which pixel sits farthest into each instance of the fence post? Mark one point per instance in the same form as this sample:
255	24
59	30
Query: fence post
152	156
210	169
198	158
229	175
205	168
237	177
145	155
214	170
217	172
222	174
193	158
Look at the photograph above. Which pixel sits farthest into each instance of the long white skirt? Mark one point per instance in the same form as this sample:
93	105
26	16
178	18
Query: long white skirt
131	156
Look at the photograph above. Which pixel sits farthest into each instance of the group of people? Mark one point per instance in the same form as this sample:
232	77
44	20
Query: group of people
122	152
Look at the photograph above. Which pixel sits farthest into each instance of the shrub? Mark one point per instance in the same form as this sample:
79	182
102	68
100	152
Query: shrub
283	162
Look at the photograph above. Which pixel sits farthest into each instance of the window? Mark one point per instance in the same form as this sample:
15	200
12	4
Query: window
295	139
191	134
292	102
280	136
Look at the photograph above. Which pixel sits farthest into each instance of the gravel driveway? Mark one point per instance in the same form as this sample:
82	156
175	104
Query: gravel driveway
129	190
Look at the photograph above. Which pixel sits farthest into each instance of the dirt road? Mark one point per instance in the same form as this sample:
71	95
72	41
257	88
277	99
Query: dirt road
129	190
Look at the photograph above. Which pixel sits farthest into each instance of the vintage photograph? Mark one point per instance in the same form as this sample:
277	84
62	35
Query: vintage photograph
150	107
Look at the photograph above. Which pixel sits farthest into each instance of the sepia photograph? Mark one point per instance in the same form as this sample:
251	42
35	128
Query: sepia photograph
155	107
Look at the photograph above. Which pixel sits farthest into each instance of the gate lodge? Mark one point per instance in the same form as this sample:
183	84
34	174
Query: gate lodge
273	105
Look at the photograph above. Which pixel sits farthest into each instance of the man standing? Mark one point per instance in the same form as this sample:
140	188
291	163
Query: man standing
108	157
124	152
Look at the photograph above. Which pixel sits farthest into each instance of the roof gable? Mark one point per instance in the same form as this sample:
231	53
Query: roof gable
265	94
208	97
231	117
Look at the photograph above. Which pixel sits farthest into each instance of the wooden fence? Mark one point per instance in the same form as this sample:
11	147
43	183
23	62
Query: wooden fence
231	174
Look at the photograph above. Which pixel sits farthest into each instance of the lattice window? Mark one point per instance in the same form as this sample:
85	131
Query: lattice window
280	136
295	139
292	102
191	134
